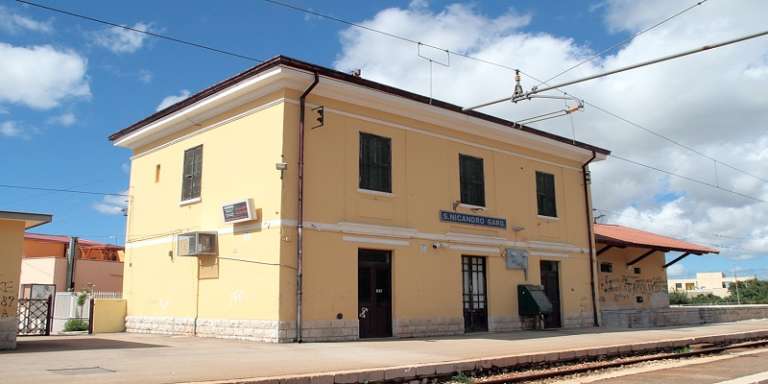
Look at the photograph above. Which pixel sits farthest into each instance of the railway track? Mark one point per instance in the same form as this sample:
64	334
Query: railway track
591	366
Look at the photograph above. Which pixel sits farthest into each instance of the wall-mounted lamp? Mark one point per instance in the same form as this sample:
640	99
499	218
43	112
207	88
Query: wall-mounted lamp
282	167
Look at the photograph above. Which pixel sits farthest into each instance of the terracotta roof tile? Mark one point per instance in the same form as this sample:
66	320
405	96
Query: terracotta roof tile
624	236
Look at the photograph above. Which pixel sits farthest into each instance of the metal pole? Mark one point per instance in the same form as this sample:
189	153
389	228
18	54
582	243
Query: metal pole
736	281
534	90
71	256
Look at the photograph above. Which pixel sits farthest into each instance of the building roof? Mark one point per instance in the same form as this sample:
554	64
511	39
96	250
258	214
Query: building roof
30	219
334	74
620	236
65	240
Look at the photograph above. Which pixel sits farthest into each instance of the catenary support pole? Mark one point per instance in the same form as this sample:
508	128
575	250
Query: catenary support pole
300	201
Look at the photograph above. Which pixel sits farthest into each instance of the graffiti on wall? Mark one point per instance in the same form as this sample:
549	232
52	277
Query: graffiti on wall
619	289
8	294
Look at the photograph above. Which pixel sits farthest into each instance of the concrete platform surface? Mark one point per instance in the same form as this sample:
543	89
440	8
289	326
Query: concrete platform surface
135	358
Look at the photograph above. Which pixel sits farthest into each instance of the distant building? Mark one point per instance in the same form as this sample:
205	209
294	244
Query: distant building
12	227
98	266
716	283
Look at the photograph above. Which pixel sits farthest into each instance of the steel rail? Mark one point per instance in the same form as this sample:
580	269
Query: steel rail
516	378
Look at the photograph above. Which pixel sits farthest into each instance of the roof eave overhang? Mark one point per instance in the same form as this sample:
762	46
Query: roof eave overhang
31	220
283	76
621	243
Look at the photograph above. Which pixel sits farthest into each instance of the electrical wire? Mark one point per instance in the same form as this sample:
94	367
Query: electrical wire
625	41
63	190
409	40
691	179
315	13
146	32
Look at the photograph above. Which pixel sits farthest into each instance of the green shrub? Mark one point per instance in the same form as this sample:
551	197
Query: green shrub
678	298
73	325
461	378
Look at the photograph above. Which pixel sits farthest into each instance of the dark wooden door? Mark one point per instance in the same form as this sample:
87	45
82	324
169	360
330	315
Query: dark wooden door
374	293
474	294
550	279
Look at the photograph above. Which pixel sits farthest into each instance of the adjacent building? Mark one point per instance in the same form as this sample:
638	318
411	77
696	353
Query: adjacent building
295	202
716	283
12	227
97	266
632	275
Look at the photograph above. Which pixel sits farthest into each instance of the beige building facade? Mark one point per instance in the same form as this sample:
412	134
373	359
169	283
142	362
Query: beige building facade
391	215
12	227
716	283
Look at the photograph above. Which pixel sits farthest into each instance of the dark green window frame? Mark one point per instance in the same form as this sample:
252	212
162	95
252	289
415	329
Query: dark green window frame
193	173
472	180
545	194
375	163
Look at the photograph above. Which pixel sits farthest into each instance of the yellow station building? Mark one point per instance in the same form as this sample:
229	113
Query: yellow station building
293	194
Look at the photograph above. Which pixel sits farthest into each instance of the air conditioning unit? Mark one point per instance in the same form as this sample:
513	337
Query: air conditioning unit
197	244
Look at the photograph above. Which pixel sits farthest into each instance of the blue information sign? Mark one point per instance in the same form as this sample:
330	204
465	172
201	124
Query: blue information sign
462	218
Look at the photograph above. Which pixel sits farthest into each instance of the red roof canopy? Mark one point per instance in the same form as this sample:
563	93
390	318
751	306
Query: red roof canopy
65	240
619	236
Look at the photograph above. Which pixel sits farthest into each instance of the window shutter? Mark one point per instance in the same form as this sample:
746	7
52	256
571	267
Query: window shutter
375	163
545	194
192	173
472	180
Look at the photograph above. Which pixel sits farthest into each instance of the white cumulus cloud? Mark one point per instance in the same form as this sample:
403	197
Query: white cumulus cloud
713	101
65	119
173	99
14	23
10	129
41	76
121	40
112	205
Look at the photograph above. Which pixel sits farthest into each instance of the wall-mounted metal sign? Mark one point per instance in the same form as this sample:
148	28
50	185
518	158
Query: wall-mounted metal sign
462	218
238	212
517	258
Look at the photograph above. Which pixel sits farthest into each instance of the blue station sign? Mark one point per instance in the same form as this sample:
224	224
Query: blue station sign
462	218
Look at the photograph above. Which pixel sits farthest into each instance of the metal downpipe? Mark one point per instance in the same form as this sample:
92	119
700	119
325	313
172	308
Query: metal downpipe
590	236
300	213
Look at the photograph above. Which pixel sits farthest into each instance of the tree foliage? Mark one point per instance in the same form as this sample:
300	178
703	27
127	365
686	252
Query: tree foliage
752	291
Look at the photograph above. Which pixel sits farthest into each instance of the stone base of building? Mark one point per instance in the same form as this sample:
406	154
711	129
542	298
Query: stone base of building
273	331
504	323
427	327
582	321
269	331
8	328
676	316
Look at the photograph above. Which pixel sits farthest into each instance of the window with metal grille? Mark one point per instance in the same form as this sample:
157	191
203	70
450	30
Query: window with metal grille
375	163
193	172
606	267
472	180
545	194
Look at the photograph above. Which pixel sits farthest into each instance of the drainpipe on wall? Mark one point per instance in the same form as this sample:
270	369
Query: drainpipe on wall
71	256
300	213
588	207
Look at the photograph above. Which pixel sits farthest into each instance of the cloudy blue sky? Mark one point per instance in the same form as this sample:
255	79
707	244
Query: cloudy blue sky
66	83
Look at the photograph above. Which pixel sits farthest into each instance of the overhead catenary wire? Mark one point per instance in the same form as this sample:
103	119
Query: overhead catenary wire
145	32
625	41
315	13
537	90
510	68
62	190
691	179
